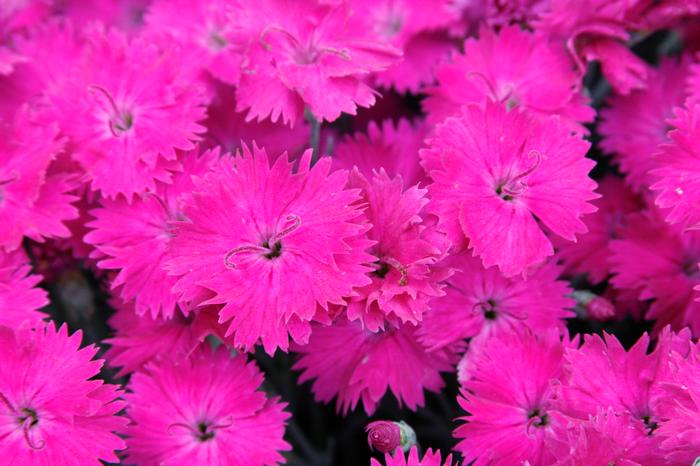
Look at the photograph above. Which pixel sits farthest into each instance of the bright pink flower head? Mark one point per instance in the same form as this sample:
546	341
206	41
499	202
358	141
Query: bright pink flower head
303	54
139	340
126	15
52	411
515	68
591	252
499	174
509	399
355	364
407	270
207	28
116	105
208	409
678	169
229	130
33	202
479	302
603	439
413	459
272	245
624	381
393	147
633	126
597	31
20	298
680	406
659	261
411	26
135	237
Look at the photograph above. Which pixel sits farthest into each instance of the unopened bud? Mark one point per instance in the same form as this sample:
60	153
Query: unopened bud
590	305
387	436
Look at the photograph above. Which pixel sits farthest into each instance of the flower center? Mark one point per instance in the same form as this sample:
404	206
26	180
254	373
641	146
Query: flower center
650	424
383	266
537	418
119	121
487	308
27	419
203	431
270	248
216	41
513	186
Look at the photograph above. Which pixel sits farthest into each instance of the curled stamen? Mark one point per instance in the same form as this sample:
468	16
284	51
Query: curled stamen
28	438
11	179
486	308
398	266
487	81
107	95
240	250
158	199
125	121
203	431
340	53
517	185
285	33
296	222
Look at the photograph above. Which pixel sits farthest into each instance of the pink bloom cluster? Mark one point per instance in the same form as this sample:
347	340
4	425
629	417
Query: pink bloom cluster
390	190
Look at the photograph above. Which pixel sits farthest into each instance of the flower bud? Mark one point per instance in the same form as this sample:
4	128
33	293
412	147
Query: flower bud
386	436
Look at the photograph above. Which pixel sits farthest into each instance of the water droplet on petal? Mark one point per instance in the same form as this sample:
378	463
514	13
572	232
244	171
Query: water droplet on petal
679	191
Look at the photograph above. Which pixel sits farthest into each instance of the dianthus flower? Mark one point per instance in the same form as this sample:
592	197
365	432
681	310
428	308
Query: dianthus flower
34	201
207	409
393	147
514	67
678	171
604	438
413	459
659	261
272	245
126	108
410	26
591	252
634	126
355	364
208	28
679	405
305	54
16	16
134	238
50	413
20	299
625	381
597	31
509	400
229	130
479	302
407	270
139	340
498	174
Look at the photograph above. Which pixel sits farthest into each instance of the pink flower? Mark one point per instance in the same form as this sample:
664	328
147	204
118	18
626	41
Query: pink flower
34	202
495	171
16	16
659	261
134	238
591	253
207	29
306	54
116	105
355	364
509	400
20	299
207	409
514	67
229	130
407	271
606	438
139	340
429	459
407	24
596	31
272	246
480	302
393	147
50	413
678	169
633	126
624	381
680	406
